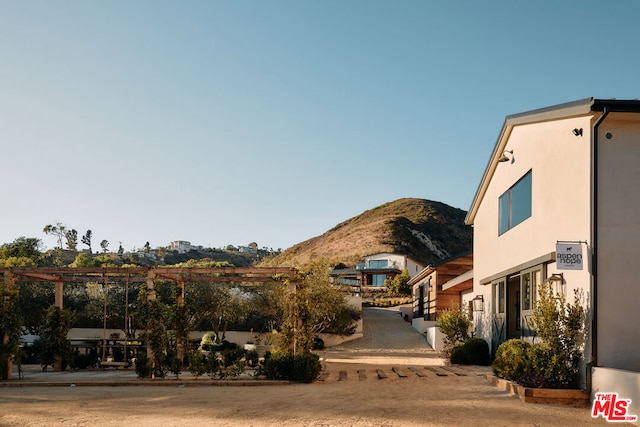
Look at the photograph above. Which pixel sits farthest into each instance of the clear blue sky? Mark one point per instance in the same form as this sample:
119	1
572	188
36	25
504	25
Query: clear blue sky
227	122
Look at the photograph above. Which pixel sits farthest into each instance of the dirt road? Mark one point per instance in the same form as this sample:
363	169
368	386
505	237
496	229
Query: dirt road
389	378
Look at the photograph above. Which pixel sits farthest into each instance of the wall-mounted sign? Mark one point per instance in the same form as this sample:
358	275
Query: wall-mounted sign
569	256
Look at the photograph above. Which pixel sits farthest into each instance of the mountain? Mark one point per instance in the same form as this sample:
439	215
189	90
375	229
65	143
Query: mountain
424	230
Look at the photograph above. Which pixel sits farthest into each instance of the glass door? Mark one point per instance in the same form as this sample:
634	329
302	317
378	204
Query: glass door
529	281
498	313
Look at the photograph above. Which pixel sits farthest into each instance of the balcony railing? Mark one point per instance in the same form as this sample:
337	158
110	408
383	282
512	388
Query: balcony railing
376	264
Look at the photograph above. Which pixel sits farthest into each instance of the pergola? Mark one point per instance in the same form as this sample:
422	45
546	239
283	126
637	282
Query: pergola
58	276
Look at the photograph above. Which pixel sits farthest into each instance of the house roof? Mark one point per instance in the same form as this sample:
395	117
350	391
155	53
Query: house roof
454	284
432	267
577	108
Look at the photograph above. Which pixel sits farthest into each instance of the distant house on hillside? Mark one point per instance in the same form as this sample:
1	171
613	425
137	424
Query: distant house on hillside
248	250
181	246
375	269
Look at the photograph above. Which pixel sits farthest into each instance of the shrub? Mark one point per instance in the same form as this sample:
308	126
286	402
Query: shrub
231	354
318	343
212	364
306	367
197	363
80	361
252	358
561	326
474	351
511	360
143	367
535	374
301	368
454	324
278	366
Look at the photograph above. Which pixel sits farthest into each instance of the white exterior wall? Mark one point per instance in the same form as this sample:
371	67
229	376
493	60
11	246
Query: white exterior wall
413	268
618	250
402	262
561	200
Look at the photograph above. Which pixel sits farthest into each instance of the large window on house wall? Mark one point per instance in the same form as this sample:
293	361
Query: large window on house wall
515	204
378	279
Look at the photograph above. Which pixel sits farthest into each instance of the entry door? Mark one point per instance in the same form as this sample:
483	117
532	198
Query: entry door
498	315
513	312
529	280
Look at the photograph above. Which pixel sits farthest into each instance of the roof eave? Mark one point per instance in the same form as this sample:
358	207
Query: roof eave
570	109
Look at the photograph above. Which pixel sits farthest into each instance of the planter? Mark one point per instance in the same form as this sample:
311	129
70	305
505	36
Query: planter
550	396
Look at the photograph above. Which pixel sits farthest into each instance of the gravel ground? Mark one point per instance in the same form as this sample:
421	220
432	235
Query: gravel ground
391	377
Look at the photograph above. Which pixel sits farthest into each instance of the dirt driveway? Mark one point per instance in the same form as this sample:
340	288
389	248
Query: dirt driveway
389	378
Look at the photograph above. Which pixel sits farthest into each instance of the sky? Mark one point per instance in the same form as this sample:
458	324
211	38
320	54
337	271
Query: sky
271	121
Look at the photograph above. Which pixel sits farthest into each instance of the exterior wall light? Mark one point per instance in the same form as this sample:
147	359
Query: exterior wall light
478	303
557	279
505	158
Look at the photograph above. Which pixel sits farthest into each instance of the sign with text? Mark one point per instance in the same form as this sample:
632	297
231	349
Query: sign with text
569	256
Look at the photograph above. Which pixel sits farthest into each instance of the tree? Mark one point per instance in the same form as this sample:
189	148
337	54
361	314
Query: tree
104	245
86	239
57	230
72	239
330	312
313	306
399	284
54	341
84	260
10	326
26	247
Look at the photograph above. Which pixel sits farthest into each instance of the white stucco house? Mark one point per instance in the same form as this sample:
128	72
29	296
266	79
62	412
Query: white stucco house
181	246
376	268
565	178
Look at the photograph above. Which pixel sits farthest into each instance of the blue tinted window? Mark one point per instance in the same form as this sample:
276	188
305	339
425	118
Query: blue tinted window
515	204
378	279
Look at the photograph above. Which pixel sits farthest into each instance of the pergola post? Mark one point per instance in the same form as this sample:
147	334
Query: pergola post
151	296
180	338
5	338
57	360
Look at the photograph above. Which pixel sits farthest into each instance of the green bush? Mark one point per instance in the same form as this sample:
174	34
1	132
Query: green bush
197	363
561	326
454	324
252	358
474	351
212	364
301	368
143	367
318	343
231	354
511	361
306	367
278	366
80	361
539	357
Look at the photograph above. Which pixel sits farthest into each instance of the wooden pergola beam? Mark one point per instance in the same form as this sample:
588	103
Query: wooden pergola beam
142	274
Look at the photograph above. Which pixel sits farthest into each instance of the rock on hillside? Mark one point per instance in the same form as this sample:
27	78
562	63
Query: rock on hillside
424	230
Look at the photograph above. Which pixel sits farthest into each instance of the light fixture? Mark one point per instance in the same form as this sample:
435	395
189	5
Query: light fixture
558	280
505	158
577	131
478	303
